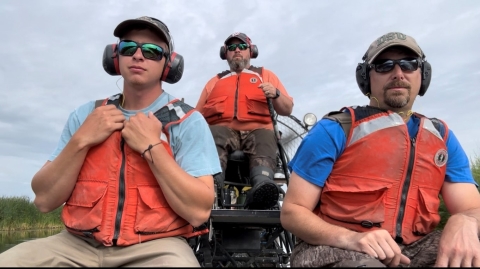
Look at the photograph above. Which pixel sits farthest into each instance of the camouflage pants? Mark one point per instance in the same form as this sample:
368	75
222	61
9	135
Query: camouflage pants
422	253
259	145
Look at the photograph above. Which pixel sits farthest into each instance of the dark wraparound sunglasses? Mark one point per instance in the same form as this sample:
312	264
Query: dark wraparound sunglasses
241	46
408	64
149	51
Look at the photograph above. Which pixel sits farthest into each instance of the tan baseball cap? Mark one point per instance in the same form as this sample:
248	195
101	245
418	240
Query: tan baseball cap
389	40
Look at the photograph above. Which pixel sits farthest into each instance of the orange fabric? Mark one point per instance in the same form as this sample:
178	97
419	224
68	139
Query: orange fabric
218	101
367	182
116	183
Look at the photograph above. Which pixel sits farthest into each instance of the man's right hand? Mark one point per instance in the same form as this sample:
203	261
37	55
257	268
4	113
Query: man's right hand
378	244
99	125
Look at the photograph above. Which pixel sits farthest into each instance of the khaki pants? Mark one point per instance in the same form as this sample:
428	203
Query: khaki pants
67	250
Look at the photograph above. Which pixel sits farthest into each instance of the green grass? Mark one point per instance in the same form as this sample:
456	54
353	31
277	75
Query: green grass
19	213
475	165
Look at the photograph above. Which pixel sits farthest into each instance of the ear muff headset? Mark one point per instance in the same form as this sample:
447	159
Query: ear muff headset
253	51
172	71
363	77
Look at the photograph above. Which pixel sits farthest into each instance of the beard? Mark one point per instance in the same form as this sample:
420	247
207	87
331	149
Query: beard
394	99
237	64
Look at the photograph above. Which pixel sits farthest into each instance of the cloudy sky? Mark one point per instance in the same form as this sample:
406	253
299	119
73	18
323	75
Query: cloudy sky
51	52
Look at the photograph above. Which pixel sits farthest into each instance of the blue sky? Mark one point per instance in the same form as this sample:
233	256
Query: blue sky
52	50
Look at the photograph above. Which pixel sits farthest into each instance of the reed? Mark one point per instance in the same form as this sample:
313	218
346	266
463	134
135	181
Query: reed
19	213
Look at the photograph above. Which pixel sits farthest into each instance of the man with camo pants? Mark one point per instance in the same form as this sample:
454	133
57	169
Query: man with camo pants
366	180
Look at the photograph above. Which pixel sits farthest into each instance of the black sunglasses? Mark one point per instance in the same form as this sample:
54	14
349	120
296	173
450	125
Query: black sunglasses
241	46
149	51
409	64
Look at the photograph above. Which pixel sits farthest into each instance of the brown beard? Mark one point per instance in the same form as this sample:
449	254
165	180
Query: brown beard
396	101
238	64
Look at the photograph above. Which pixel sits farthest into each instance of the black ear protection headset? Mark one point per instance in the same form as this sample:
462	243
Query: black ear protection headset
363	77
253	50
172	71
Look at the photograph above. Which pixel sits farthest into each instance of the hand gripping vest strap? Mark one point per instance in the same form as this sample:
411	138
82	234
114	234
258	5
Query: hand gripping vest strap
169	114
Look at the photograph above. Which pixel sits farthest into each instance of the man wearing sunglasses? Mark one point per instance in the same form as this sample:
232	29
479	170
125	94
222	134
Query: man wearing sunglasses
234	103
132	188
366	180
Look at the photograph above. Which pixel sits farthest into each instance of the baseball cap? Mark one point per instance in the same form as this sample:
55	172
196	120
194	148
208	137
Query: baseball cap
155	25
240	36
389	40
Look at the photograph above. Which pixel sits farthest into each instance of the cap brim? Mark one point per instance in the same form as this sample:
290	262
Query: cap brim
232	37
419	53
124	26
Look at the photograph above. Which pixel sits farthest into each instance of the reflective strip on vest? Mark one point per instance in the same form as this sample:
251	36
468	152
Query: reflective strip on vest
428	125
371	126
248	71
178	110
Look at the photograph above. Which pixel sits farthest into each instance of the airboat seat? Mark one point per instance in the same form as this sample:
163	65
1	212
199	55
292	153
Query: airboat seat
245	218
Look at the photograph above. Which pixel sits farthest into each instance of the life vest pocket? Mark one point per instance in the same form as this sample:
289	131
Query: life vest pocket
154	214
83	210
215	107
426	217
257	105
355	205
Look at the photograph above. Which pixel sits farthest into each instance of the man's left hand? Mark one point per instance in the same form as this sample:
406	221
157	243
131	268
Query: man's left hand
141	130
459	245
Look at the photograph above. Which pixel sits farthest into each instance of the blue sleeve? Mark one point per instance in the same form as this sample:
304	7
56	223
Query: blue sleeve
75	120
193	146
319	150
458	167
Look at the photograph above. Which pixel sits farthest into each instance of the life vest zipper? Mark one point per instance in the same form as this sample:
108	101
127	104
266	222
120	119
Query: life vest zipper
406	186
121	194
236	97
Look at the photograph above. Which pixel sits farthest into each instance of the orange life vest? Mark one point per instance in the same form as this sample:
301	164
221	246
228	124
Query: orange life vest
385	179
237	96
117	200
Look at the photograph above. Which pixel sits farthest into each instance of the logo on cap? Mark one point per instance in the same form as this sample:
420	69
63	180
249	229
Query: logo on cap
441	157
146	18
391	36
253	80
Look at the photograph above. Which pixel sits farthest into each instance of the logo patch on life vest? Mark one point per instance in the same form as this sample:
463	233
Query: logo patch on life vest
253	80
441	157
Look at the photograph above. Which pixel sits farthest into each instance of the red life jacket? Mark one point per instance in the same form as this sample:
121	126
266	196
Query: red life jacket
385	179
117	200
237	96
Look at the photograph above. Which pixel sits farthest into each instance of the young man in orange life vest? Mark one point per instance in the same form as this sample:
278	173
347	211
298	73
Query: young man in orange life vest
234	103
368	194
133	178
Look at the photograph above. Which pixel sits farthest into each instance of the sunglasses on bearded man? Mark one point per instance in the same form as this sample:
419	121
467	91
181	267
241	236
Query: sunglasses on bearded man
386	65
241	46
